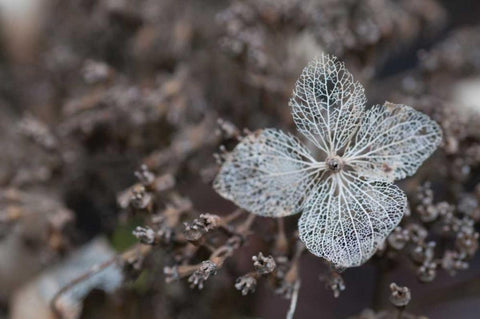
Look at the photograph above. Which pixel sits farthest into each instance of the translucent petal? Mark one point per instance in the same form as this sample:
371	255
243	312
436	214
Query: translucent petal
268	173
348	217
392	142
327	103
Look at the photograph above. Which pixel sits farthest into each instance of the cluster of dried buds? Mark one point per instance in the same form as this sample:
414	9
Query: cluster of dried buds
220	236
197	235
263	266
334	281
251	30
52	220
446	222
164	227
400	297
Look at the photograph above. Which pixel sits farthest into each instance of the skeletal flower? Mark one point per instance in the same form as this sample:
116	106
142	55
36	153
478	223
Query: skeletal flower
344	188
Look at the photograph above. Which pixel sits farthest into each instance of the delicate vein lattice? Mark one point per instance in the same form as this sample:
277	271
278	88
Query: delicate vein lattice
393	141
349	217
268	173
327	103
348	203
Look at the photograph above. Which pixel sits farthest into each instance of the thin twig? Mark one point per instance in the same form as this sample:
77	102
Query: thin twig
281	243
245	227
234	215
293	300
380	283
399	314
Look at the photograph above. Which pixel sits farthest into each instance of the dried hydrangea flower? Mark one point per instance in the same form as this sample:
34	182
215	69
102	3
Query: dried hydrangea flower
344	189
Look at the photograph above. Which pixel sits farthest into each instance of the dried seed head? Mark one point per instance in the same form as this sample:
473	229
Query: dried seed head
145	234
144	175
207	268
264	265
334	281
334	163
417	233
398	238
427	271
246	284
423	252
140	198
467	242
454	261
200	226
171	274
400	296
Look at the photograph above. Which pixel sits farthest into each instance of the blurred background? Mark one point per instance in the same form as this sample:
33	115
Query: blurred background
92	89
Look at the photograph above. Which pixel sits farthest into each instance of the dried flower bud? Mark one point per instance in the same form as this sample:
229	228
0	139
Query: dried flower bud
423	252
453	261
171	274
425	193
469	206
427	213
417	233
207	268
264	265
425	209
95	71
140	199
467	242
246	284
200	226
163	232
448	223
444	208
334	282
145	234
398	238
400	296
465	225
38	132
427	271
227	129
144	175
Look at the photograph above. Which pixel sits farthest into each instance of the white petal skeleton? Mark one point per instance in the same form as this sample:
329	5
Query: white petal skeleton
344	189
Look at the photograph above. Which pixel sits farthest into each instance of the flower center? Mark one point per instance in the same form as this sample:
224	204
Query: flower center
334	163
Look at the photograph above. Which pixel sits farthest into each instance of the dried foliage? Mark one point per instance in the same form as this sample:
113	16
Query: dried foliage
110	118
